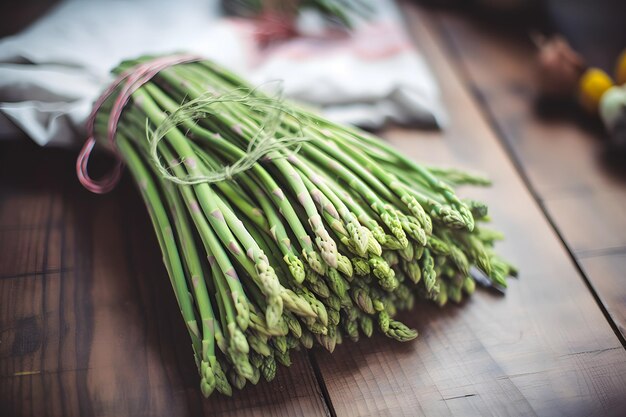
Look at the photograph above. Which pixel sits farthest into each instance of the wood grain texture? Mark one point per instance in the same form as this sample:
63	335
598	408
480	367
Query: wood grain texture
544	349
609	272
88	322
563	154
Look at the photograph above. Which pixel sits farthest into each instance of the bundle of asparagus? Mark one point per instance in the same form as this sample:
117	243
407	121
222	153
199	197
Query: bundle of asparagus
280	229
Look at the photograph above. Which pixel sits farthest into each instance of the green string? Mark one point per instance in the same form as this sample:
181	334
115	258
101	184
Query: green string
263	143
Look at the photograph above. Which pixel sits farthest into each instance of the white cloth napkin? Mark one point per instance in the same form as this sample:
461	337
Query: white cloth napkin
51	73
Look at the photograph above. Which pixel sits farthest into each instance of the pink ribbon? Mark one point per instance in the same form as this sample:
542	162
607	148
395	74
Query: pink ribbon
134	78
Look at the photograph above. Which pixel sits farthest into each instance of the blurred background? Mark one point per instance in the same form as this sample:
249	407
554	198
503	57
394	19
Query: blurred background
351	58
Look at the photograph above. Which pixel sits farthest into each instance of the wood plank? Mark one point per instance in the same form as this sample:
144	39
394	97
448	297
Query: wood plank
563	156
609	269
590	221
543	349
88	322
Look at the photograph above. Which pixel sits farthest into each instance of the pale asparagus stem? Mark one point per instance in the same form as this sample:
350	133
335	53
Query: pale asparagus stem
451	176
324	204
456	177
326	245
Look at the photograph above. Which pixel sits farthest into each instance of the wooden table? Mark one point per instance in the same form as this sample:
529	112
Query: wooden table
88	324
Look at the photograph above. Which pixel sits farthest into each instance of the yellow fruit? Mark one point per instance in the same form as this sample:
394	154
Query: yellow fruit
592	84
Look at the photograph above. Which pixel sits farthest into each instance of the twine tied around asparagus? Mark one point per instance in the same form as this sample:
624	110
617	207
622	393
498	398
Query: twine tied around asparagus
264	143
